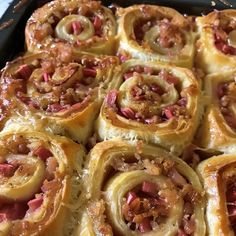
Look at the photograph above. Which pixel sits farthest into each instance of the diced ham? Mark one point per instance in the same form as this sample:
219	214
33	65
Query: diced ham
46	77
76	27
111	98
97	23
145	225
169	112
24	71
128	113
189	225
149	187
157	89
130	197
7	170
43	153
35	203
89	72
128	75
56	107
182	102
171	79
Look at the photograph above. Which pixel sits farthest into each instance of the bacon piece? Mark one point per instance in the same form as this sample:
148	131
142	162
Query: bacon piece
35	203
56	107
172	79
231	194
182	102
89	72
24	71
145	225
149	187
43	153
13	211
3	217
7	170
76	27
111	98
130	197
189	225
128	113
157	89
128	75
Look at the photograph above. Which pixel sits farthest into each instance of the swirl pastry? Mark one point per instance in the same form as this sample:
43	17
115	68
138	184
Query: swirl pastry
63	97
137	189
156	33
155	103
84	25
218	129
217	44
39	183
218	175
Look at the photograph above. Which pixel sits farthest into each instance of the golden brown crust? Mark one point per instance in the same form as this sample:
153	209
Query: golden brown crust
152	102
83	25
154	33
48	191
215	53
215	174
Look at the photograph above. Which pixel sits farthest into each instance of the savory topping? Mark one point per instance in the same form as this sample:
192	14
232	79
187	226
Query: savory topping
160	35
226	94
26	171
52	86
150	96
224	33
148	205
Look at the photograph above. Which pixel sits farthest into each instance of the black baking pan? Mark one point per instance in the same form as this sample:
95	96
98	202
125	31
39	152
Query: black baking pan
14	19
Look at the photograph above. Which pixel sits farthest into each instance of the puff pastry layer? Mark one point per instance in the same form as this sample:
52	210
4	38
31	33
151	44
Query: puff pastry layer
156	33
218	126
217	44
83	25
61	94
136	189
39	182
218	175
155	103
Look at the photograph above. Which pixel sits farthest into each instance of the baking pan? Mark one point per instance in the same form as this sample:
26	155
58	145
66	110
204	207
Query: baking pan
13	22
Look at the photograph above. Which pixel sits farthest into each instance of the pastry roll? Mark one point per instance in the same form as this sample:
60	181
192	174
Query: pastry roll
84	25
218	175
155	103
137	189
217	44
156	33
39	183
218	127
63	97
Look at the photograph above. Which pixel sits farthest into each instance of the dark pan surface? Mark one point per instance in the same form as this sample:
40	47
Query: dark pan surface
12	37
